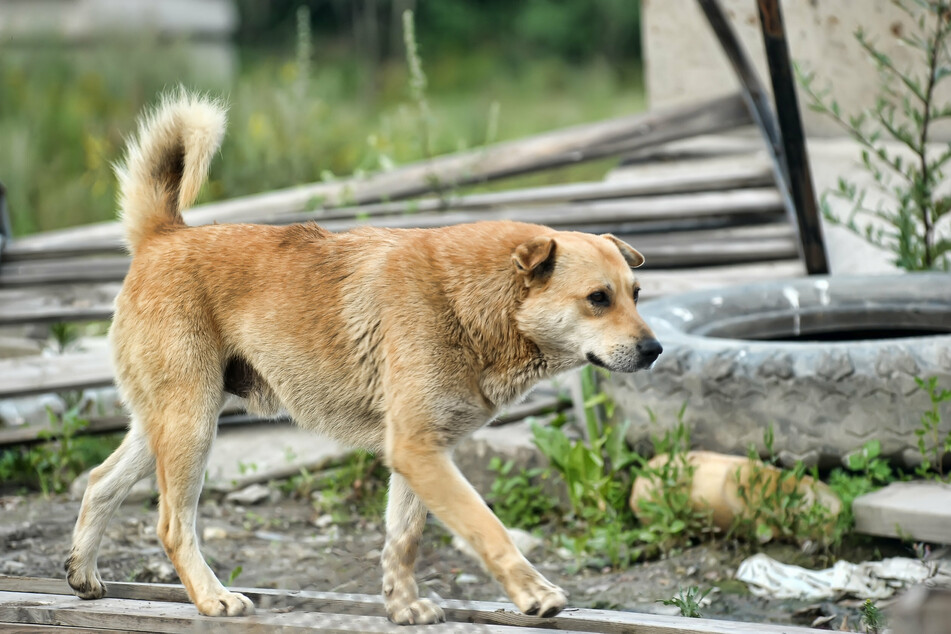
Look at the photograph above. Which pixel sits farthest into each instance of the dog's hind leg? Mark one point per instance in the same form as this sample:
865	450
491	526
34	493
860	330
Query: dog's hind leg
181	441
109	484
405	520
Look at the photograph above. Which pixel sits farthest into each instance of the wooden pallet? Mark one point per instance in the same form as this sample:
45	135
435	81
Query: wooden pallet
143	607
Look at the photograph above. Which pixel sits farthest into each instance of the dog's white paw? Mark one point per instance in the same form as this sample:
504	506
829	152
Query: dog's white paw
538	597
417	612
85	582
225	604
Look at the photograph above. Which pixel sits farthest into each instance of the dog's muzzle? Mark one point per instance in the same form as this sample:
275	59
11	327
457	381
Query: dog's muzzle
629	359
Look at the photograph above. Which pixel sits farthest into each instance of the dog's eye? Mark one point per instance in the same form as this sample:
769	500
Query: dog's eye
637	292
599	298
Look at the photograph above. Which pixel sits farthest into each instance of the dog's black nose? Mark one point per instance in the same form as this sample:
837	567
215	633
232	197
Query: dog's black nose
649	350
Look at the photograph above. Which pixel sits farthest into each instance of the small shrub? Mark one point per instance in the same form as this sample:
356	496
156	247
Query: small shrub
931	444
779	505
872	618
669	519
904	111
52	465
516	499
865	472
688	601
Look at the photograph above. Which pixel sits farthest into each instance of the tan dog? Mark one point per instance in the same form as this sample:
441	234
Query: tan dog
399	341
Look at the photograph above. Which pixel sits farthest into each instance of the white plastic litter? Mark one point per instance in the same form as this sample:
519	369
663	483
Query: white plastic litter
767	577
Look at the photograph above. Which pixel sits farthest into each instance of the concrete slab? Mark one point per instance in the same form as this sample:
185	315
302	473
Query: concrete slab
257	453
917	510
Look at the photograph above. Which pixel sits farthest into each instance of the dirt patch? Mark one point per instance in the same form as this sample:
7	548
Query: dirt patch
284	543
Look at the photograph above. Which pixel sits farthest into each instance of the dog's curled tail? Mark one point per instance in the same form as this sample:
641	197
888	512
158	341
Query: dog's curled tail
166	163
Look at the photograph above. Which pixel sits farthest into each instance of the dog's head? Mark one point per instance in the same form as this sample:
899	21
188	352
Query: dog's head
581	303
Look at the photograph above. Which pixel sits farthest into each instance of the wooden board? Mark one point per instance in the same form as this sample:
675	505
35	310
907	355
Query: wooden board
67	302
544	151
36	375
672	180
57	302
231	417
161	607
737	203
667	215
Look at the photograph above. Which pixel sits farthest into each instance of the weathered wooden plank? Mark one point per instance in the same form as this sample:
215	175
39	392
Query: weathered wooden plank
672	181
737	203
28	628
552	149
617	215
657	283
53	303
59	302
151	616
35	375
605	621
64	271
31	434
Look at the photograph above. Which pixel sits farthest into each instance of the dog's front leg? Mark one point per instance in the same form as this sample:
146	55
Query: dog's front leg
405	520
439	484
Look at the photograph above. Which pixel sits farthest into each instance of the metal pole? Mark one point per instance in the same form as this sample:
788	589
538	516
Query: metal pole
794	146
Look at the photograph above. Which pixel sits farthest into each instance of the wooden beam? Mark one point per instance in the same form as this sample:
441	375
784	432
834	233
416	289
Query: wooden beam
230	417
552	149
37	375
31	592
634	185
91	301
616	215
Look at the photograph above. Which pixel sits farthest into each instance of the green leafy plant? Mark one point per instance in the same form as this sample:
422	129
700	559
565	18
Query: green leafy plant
865	471
234	574
669	520
52	465
872	618
688	601
777	504
932	445
597	474
356	489
516	499
904	112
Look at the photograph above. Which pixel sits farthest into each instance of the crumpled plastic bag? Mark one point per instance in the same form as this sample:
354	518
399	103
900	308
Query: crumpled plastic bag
767	577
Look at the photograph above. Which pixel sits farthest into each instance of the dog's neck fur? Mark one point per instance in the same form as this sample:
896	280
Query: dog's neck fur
510	362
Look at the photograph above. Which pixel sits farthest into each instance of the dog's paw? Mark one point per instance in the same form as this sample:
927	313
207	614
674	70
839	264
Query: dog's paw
417	612
86	584
225	604
539	597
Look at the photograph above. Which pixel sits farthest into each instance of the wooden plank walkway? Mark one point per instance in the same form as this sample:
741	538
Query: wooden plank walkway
138	607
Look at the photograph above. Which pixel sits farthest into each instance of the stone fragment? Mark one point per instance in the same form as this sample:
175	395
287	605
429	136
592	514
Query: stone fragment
252	494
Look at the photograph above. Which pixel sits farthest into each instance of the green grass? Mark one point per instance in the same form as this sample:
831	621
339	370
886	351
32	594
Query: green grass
65	114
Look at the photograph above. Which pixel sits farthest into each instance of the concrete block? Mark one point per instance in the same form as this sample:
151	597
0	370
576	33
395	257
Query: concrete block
919	510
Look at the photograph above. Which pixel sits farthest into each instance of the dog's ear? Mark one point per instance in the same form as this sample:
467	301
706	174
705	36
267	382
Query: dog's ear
631	255
536	258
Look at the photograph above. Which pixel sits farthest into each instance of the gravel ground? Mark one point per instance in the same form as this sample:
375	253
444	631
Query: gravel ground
285	543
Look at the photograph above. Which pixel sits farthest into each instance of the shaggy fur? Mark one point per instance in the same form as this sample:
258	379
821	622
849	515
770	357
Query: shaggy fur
399	341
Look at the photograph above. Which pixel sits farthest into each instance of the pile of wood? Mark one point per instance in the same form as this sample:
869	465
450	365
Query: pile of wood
704	210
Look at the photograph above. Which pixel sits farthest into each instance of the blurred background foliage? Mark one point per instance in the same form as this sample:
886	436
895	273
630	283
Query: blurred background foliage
331	101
